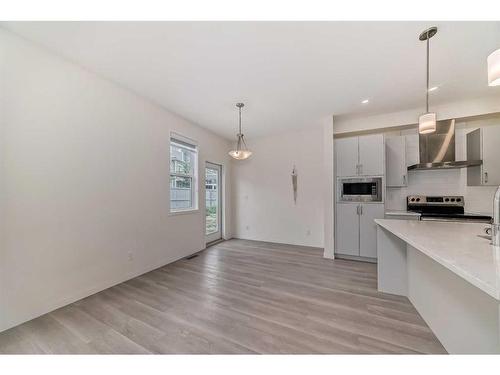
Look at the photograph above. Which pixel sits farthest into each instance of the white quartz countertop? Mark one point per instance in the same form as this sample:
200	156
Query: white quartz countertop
456	246
401	213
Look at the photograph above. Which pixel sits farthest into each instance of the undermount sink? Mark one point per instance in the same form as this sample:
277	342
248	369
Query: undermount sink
485	236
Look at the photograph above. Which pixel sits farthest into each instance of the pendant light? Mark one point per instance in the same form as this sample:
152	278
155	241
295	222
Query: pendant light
241	152
494	68
427	121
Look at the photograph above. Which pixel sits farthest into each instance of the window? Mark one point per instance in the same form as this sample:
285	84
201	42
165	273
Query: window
183	173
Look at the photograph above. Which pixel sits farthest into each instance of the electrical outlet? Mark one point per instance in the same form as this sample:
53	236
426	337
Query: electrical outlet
130	256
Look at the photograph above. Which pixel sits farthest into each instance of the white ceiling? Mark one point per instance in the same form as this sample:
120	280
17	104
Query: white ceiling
289	74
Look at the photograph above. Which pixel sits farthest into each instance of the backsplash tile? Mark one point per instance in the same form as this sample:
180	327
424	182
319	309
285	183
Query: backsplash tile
478	199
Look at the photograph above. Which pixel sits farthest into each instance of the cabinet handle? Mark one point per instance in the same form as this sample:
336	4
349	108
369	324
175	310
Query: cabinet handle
361	209
357	209
404	179
485	177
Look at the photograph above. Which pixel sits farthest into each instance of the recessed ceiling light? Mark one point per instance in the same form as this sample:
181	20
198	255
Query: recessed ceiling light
434	88
365	101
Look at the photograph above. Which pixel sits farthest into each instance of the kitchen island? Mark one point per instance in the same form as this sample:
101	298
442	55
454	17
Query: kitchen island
451	274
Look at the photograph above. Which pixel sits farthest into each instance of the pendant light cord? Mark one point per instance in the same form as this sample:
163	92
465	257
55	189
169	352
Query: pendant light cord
240	119
427	91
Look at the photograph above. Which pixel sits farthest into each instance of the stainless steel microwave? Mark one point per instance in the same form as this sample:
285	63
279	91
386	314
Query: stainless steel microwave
367	189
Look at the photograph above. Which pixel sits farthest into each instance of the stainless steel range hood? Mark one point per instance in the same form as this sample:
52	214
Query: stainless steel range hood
437	150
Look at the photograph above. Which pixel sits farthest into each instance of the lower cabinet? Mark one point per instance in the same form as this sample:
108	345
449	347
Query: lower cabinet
356	231
347	233
368	229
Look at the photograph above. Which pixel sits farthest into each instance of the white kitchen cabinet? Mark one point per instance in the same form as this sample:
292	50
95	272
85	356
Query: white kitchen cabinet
491	155
412	149
395	156
371	155
356	232
400	152
347	234
347	156
483	144
368	229
360	156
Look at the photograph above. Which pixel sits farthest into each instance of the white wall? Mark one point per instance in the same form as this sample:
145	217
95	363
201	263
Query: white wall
478	199
328	187
84	180
262	192
461	109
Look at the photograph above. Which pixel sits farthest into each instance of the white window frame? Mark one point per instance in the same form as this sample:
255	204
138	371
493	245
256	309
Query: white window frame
191	145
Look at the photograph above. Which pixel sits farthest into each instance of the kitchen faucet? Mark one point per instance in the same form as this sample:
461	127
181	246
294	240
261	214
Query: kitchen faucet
495	225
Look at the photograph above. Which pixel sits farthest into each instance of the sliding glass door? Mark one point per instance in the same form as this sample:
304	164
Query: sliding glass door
213	202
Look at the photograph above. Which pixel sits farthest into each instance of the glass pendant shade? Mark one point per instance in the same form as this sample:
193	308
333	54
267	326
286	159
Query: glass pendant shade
240	155
494	68
241	152
427	123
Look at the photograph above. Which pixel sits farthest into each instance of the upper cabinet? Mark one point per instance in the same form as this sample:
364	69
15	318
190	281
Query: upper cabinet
484	144
360	156
346	150
371	155
395	156
412	147
401	151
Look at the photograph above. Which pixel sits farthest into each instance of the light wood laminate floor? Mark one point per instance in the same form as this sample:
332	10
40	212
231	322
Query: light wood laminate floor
236	297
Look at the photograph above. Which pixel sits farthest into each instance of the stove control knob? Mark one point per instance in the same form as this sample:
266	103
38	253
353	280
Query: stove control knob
459	199
453	199
447	199
418	199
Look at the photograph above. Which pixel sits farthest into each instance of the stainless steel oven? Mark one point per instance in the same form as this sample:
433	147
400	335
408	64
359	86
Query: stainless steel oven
367	189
